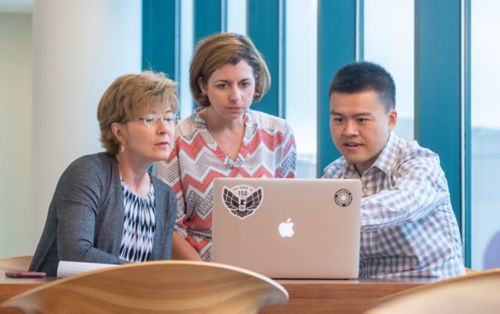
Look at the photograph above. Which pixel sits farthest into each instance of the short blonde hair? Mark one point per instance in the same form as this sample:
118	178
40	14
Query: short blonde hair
128	97
226	48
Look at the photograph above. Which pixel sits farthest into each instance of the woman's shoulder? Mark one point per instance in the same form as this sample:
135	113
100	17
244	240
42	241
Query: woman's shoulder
187	126
268	121
97	160
89	173
91	165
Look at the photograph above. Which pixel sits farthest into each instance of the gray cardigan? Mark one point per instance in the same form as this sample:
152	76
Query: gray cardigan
86	215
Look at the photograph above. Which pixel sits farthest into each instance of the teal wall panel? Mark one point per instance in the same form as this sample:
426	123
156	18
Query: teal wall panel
160	40
265	28
336	48
467	132
438	87
210	17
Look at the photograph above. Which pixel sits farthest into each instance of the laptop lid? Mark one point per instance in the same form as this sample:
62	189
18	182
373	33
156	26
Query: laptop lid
288	228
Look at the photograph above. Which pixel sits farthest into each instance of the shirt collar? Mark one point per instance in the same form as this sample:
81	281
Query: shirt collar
386	158
251	124
247	117
384	161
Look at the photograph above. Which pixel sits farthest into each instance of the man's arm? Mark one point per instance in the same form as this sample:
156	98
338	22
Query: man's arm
419	187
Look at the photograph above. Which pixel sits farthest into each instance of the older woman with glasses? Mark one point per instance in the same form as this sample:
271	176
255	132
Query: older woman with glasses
106	207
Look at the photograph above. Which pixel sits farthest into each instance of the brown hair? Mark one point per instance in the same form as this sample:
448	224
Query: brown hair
130	96
226	48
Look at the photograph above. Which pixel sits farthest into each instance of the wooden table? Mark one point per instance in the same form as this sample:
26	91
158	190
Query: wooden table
306	296
10	287
338	296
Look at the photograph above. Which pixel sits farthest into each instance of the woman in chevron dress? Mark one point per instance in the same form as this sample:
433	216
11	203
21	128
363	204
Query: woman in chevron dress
223	137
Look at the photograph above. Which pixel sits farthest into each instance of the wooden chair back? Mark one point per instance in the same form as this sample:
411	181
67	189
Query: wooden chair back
155	287
475	292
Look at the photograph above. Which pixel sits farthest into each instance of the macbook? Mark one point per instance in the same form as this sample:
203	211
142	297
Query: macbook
288	228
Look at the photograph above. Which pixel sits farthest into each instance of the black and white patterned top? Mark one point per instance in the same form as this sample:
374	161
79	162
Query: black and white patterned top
139	225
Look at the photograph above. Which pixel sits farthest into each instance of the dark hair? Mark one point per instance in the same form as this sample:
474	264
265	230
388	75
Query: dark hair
364	76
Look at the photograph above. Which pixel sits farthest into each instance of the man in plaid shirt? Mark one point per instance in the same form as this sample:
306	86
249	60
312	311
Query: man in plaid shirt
408	228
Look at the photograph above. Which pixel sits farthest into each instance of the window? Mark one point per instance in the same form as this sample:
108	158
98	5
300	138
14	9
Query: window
186	51
301	85
389	41
237	16
485	139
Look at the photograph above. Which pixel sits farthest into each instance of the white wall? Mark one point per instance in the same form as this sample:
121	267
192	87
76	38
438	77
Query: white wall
78	48
15	134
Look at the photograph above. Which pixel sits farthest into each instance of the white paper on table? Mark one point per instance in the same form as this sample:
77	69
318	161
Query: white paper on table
67	268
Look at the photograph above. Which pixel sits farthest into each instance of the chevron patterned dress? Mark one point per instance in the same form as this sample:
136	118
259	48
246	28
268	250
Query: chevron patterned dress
268	150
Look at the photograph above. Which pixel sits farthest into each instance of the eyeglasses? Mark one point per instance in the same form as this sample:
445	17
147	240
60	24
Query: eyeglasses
153	119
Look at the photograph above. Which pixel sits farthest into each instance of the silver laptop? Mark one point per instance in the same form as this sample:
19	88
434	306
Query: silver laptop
288	228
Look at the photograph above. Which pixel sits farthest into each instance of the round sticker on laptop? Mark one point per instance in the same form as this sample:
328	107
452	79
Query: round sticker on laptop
343	197
242	200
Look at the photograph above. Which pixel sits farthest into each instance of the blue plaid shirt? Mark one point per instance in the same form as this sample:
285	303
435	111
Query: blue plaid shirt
408	228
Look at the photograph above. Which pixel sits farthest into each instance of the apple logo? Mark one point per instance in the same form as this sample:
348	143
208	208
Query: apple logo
286	228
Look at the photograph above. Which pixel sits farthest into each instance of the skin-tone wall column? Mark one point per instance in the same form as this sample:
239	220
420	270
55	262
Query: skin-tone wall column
80	47
15	133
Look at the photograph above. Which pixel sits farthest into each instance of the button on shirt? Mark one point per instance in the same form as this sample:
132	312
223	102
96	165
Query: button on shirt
408	228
